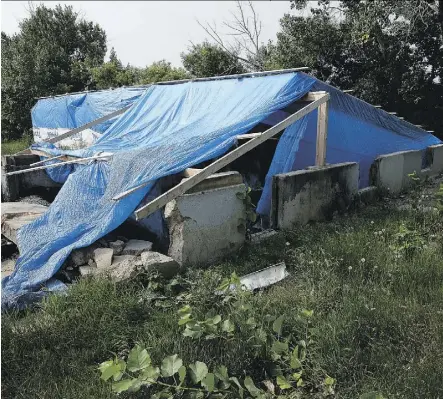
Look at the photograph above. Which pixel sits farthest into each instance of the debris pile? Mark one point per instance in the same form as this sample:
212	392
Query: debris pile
120	259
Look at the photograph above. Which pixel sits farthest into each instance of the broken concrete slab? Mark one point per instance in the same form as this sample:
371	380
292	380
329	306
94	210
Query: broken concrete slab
117	246
15	215
121	258
87	270
206	226
103	257
260	236
265	277
155	261
136	247
125	270
8	267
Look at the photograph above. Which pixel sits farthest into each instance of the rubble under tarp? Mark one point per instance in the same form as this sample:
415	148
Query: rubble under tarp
174	127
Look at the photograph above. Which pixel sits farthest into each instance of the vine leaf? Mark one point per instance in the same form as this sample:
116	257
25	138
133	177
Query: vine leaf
123	385
277	325
199	370
252	389
182	374
138	359
209	382
170	365
283	383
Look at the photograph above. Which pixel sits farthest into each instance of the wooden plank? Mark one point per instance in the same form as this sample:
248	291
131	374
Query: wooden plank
322	135
313	95
46	160
248	136
88	125
79	160
183	186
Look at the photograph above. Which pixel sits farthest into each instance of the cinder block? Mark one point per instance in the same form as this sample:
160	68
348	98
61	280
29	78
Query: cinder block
308	195
206	226
391	172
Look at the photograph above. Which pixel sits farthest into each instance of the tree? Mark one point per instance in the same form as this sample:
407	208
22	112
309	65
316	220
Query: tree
206	59
245	44
389	52
52	54
161	71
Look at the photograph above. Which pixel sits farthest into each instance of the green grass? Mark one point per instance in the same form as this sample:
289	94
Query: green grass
377	324
12	147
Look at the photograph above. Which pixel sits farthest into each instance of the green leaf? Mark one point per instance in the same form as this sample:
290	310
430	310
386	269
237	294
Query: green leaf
112	368
228	326
184	310
283	383
241	195
209	382
295	362
297	376
277	325
150	374
123	385
280	347
251	322
329	381
199	370
307	313
300	382
194	332
170	365
185	319
221	372
138	359
240	388
250	386
182	374
214	320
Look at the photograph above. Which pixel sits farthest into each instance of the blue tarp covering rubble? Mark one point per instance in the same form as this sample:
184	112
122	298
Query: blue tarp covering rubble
173	127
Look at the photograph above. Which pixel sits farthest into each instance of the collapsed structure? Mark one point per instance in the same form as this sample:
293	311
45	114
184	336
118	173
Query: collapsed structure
193	129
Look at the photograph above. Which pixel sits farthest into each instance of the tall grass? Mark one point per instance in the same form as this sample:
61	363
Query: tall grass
377	323
14	146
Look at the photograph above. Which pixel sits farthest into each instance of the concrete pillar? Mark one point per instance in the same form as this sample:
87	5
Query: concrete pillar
209	223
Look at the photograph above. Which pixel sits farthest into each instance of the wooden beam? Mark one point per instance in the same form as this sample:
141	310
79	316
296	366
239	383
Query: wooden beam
183	186
248	136
46	160
88	125
349	91
79	160
313	95
322	135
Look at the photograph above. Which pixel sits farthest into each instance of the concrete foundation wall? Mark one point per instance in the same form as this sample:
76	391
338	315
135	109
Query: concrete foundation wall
390	172
206	226
13	187
314	194
434	158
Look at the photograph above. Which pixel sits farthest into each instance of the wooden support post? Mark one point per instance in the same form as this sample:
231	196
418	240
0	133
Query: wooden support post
185	185
322	135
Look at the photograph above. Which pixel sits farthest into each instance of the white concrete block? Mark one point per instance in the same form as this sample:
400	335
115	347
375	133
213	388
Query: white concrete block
206	226
136	247
154	261
117	246
103	257
391	172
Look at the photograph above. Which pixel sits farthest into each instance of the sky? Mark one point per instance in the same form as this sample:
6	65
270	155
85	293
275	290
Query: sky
144	32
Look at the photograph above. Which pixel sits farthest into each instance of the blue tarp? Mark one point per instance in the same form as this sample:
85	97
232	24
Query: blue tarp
172	127
75	110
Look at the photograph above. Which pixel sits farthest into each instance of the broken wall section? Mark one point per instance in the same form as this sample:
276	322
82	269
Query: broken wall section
209	223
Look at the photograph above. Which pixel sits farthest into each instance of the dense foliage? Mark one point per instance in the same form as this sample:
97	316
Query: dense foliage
53	53
389	52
